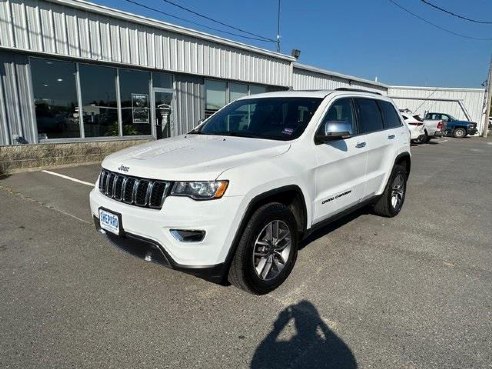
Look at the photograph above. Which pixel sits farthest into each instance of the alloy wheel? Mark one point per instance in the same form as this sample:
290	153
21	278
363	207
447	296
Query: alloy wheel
272	249
397	191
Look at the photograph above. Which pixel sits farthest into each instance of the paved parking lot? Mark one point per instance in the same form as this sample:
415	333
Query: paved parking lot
367	292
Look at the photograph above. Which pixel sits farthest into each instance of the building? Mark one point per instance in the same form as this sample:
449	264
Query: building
76	72
462	103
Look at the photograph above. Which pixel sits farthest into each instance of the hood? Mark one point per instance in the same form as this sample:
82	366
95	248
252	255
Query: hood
191	157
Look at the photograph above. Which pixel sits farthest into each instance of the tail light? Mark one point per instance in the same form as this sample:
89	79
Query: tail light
439	125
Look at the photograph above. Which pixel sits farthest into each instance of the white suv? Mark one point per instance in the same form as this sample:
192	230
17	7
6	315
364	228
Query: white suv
232	199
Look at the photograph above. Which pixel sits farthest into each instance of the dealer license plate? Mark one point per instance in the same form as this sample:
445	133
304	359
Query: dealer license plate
109	221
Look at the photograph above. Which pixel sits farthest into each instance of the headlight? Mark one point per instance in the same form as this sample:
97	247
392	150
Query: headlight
203	190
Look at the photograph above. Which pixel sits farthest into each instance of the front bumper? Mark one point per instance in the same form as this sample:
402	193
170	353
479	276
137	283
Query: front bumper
150	250
472	131
218	218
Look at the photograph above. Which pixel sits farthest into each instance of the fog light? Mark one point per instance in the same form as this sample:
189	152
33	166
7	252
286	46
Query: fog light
185	235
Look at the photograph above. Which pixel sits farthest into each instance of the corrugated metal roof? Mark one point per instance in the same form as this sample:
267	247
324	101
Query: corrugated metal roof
78	29
120	14
338	75
464	89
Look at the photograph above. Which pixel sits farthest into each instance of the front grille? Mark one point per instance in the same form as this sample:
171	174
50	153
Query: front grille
136	191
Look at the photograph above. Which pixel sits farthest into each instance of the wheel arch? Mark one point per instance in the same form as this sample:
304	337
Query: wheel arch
290	195
405	160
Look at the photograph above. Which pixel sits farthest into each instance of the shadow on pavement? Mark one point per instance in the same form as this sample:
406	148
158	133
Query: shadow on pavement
312	345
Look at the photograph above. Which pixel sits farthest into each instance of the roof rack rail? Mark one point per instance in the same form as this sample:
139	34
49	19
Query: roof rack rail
356	90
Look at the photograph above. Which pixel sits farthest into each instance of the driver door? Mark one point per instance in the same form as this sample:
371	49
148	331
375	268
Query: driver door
340	165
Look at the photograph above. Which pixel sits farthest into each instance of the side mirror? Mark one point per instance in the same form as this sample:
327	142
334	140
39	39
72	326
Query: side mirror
333	130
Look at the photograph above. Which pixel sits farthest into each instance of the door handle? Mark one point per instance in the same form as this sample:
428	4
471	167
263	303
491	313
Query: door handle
360	145
390	137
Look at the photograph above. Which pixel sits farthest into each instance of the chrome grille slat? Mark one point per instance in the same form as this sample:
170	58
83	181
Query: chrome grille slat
135	191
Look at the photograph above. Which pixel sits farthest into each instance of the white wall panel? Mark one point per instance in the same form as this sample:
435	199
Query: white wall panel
105	41
424	99
307	79
71	28
6	25
72	33
32	18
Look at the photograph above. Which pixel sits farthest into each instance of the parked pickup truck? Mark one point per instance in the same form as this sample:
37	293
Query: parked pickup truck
456	128
433	128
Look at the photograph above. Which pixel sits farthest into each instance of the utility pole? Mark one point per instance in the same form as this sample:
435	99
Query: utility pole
278	27
488	95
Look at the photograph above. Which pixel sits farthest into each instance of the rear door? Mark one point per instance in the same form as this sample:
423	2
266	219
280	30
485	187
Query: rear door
340	165
379	142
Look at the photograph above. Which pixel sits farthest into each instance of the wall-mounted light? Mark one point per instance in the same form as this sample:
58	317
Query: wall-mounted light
296	53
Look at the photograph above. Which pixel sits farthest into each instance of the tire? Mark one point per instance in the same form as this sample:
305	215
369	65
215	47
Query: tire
422	139
426	138
391	201
459	133
257	252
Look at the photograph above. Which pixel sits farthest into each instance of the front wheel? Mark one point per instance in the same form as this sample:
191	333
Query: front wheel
393	197
267	250
459	133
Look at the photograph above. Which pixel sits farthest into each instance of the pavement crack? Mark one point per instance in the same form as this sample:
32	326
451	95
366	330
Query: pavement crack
12	192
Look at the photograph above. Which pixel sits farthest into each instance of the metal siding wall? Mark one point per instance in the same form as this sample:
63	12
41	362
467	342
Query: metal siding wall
308	80
18	117
189	102
472	100
4	128
62	30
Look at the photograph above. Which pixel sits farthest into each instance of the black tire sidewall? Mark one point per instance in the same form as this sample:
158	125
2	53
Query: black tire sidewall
263	216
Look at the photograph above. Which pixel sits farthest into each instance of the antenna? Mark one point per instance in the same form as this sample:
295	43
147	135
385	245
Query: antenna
278	27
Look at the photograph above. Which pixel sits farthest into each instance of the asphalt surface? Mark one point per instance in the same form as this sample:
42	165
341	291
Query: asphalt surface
414	291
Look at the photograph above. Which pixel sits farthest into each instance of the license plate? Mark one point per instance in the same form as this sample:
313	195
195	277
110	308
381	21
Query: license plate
109	221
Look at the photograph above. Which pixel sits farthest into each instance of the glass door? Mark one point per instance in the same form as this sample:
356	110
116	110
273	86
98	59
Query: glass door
164	112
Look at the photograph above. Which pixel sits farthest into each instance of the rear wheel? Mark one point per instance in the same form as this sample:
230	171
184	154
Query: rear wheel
391	201
422	139
459	133
426	138
267	250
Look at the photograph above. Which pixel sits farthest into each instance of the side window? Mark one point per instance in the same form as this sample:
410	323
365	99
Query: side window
390	116
341	110
445	118
370	119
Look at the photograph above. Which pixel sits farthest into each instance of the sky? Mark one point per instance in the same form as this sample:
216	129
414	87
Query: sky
364	38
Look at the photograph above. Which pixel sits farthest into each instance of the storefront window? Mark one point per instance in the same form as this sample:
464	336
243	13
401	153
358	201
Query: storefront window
55	98
254	89
215	95
162	80
237	90
135	102
99	100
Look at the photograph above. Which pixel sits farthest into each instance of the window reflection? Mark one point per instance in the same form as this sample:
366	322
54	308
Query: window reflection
163	80
134	93
55	98
215	94
237	90
99	109
255	89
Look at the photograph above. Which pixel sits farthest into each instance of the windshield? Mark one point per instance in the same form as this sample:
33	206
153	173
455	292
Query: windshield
275	118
